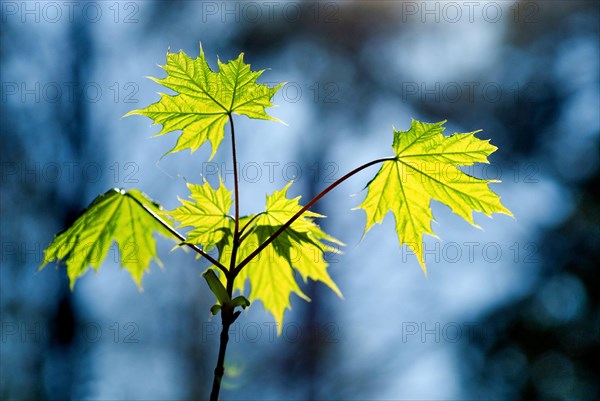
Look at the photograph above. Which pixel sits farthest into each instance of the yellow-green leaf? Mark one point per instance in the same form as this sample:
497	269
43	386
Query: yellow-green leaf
280	209
118	216
300	248
205	99
207	213
426	168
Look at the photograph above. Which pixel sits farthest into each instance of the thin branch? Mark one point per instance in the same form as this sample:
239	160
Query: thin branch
177	234
227	319
236	232
227	315
248	224
304	209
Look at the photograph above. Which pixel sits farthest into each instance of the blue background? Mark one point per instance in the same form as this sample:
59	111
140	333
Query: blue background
508	312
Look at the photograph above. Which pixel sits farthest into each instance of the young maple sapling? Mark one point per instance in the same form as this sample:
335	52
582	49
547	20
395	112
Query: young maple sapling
423	166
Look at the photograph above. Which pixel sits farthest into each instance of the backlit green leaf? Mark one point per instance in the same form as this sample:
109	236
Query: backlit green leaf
426	168
118	216
205	99
207	213
300	248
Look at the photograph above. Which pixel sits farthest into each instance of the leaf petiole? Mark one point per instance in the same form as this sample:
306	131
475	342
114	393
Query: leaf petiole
300	212
176	233
242	236
236	232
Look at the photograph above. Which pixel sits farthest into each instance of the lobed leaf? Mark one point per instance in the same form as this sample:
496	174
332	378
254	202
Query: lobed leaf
208	214
426	168
205	99
118	216
300	248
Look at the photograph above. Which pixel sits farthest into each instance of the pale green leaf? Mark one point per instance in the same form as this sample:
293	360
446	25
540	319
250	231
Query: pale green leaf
300	248
118	216
205	99
207	213
426	168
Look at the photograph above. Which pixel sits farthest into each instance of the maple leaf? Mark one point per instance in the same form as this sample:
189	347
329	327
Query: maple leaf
208	214
299	248
119	216
279	209
206	99
426	168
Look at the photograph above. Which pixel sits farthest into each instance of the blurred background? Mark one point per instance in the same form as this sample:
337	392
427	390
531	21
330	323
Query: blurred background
508	312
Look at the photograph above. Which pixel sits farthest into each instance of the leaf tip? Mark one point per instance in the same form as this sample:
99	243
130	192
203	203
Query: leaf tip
213	152
336	290
137	279
43	264
507	212
362	237
421	259
169	151
131	113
